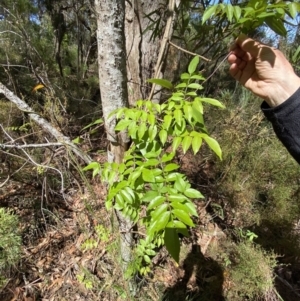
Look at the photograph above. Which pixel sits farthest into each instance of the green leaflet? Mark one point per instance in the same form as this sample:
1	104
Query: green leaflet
172	243
213	144
161	82
193	193
208	13
158	200
183	217
193	64
276	25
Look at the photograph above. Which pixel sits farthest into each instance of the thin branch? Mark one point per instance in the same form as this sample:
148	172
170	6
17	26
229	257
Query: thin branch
37	164
217	68
189	52
18	146
2	184
8	65
10	31
23	106
13	155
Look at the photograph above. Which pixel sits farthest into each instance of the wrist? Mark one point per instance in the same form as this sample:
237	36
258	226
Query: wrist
283	91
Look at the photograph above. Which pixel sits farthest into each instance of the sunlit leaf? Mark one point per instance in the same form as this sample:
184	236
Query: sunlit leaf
195	86
178	116
208	13
193	193
142	130
167	121
152	132
149	196
158	200
197	76
161	82
186	143
126	196
167	157
159	211
184	76
180	206
177	198
188	112
122	125
237	12
213	144
198	112
163	135
197	104
171	167
151	162
229	12
77	140
181	85
147	259
176	143
177	98
191	208
183	216
148	175
193	65
162	221
293	9
213	102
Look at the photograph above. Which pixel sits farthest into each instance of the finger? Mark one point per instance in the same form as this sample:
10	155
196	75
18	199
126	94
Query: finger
235	71
238	52
248	45
233	59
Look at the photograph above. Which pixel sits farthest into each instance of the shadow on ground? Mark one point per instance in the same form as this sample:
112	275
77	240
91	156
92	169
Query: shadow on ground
202	279
283	238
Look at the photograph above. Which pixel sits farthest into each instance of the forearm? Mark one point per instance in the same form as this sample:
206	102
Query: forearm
285	119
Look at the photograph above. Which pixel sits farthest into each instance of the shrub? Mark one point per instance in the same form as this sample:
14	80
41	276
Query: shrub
10	242
250	272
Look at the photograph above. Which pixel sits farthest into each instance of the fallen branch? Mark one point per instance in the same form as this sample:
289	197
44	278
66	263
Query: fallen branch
23	106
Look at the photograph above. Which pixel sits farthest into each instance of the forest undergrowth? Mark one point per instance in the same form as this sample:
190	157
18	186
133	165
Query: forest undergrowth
245	244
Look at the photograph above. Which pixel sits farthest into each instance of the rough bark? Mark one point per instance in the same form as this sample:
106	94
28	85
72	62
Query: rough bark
142	51
113	87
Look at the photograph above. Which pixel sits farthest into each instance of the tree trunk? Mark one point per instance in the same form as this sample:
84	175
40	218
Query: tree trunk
142	45
113	87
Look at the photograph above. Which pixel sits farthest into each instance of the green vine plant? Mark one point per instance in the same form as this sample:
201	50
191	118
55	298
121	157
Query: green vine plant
147	187
255	13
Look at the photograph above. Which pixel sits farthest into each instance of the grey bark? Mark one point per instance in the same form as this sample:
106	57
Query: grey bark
113	87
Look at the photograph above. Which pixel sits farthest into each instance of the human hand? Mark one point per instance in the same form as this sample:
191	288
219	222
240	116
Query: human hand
263	70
